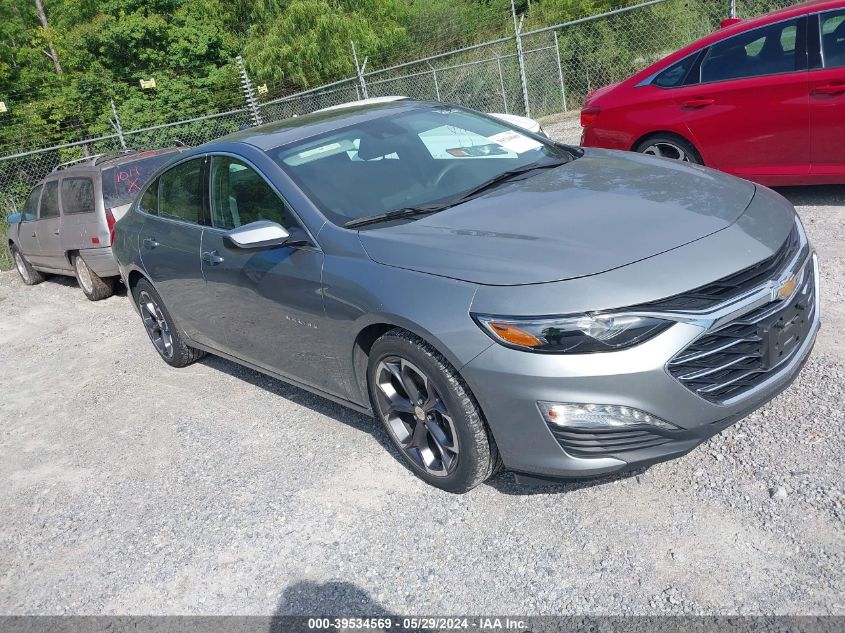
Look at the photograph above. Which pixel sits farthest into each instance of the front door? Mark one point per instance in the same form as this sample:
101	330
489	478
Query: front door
27	236
51	254
268	302
827	98
170	241
750	111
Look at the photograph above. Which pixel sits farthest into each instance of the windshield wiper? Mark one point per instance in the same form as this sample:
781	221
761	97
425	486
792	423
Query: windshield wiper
396	214
413	212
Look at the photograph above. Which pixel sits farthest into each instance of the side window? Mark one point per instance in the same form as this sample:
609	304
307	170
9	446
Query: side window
676	73
149	201
50	201
30	208
180	192
77	195
832	25
239	195
768	50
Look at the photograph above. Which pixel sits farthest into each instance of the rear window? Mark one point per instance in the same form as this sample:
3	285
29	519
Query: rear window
123	182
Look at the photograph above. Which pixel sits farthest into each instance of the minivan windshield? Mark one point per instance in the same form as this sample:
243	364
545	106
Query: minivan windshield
411	162
123	182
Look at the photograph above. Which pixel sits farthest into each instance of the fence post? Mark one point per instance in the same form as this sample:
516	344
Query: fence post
520	58
249	93
733	8
502	84
115	123
434	76
359	69
560	74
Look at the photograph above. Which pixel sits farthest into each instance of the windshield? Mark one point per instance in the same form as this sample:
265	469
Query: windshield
408	160
123	182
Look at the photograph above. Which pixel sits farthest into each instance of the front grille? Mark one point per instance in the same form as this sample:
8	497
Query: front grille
733	285
602	442
742	354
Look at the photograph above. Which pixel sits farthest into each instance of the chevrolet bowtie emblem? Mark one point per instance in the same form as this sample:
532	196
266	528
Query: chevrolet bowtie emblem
784	289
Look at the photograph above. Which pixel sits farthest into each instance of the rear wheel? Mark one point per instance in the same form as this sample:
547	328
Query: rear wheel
94	286
429	413
161	329
28	274
669	146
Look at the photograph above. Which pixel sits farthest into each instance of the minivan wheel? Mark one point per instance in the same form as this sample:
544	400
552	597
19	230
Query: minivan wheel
28	274
670	146
429	413
94	286
161	329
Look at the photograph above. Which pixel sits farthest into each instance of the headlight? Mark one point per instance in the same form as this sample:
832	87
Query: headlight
599	416
574	334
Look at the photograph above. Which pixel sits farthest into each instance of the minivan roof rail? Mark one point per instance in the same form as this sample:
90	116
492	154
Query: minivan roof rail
96	159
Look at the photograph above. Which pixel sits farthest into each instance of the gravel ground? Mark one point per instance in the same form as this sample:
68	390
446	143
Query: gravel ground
133	488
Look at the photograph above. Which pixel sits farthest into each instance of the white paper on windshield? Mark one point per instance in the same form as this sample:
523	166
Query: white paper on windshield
515	142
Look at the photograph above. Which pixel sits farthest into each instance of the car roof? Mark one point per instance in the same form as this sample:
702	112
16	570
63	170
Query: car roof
272	135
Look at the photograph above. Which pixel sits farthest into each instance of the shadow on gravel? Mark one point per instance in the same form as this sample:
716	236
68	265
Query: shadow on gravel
506	483
816	195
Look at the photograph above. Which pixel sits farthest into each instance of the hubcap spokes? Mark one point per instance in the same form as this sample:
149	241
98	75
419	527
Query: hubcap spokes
416	416
667	150
156	325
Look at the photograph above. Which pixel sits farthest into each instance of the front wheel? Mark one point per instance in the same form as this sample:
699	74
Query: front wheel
28	274
94	286
161	329
670	146
429	413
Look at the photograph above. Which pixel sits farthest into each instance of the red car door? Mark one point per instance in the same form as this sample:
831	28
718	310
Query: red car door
749	113
827	98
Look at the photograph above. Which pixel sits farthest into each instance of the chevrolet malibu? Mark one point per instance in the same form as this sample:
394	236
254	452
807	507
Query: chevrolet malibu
495	299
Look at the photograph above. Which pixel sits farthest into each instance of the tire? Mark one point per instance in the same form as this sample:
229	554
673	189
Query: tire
670	146
28	274
94	286
443	439
160	327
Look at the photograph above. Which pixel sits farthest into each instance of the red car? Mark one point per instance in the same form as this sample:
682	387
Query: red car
763	99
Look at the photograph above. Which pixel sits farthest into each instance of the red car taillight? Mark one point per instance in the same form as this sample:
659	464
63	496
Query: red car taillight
110	221
589	115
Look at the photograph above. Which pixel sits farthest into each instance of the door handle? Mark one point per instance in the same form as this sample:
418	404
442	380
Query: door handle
829	89
55	232
151	243
33	235
697	102
211	258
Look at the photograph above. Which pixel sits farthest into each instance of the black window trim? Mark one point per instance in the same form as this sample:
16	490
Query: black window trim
799	53
155	180
314	244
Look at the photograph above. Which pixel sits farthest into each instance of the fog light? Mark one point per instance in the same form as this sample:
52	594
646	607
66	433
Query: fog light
599	416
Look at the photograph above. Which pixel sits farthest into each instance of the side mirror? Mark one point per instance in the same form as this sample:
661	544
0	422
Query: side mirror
14	218
260	234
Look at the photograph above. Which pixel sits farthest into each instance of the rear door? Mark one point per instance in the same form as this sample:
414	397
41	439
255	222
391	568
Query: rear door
827	95
27	231
749	111
268	303
49	229
169	242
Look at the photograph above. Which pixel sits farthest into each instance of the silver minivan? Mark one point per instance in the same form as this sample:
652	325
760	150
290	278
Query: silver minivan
66	226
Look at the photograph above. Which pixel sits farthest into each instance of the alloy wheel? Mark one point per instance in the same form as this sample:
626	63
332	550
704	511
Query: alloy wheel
664	149
416	416
156	324
21	266
84	275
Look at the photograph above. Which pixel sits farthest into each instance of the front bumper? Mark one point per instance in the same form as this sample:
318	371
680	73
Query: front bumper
508	384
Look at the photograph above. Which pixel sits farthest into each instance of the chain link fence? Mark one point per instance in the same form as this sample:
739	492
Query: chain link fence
558	66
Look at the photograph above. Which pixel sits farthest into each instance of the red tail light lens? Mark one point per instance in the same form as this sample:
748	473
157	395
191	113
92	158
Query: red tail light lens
589	115
110	220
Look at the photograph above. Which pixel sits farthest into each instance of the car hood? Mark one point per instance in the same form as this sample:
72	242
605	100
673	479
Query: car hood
602	211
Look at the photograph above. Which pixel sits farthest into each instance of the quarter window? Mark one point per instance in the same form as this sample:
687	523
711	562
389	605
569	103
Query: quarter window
832	26
768	50
50	201
180	192
676	73
239	195
77	195
30	208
